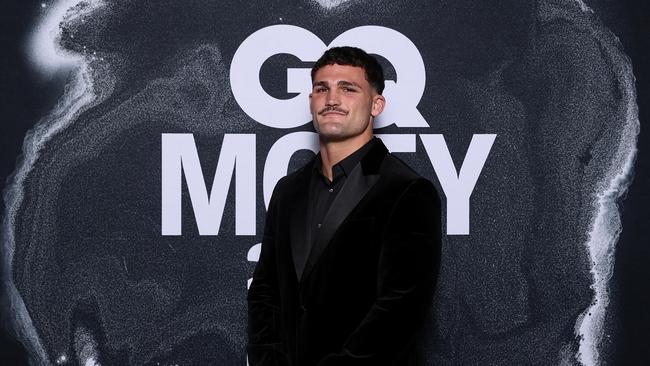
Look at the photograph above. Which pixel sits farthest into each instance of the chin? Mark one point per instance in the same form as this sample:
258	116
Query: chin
329	128
331	134
337	136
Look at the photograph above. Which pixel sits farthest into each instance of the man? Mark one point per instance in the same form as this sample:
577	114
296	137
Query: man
351	244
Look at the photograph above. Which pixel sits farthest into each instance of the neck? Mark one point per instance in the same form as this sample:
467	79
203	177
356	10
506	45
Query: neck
332	152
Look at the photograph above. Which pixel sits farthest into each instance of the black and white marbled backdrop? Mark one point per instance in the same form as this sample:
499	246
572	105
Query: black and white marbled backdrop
91	280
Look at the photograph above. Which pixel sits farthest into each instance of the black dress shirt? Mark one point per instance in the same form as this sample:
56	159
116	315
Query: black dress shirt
322	191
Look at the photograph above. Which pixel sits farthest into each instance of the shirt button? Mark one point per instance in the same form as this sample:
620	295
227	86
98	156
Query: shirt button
331	190
319	225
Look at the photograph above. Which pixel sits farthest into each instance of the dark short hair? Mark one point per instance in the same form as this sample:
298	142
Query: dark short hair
353	56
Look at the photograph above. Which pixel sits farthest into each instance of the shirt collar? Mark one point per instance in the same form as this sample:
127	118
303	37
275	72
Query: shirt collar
346	165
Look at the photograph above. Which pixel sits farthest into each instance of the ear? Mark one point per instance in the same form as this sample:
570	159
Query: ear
378	103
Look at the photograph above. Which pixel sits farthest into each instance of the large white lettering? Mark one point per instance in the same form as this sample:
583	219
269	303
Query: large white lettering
458	187
238	153
238	150
403	95
179	156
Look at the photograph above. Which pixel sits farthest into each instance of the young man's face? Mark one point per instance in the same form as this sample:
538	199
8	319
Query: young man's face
342	103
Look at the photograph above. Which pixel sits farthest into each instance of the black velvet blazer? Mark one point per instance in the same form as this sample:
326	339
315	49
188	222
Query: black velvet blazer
361	295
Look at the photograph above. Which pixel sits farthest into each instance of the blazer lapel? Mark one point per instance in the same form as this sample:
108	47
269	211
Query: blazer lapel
299	233
362	178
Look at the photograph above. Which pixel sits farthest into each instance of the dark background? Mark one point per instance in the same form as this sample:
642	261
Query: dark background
26	97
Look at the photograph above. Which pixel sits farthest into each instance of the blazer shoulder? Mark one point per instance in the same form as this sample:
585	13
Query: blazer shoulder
294	180
296	177
402	174
395	166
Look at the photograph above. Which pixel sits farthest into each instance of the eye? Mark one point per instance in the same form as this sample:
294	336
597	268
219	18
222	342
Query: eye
320	89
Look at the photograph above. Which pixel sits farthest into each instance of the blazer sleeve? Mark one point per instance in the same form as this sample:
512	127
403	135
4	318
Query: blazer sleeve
265	346
407	273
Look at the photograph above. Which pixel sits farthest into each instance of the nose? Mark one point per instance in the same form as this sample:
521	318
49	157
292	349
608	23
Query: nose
332	98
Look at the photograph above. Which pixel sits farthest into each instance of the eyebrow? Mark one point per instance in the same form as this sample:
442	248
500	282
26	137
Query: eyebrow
340	83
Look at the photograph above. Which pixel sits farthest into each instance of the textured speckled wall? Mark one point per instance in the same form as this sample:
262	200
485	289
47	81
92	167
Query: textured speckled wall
89	278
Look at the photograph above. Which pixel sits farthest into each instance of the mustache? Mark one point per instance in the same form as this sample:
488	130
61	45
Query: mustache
330	109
